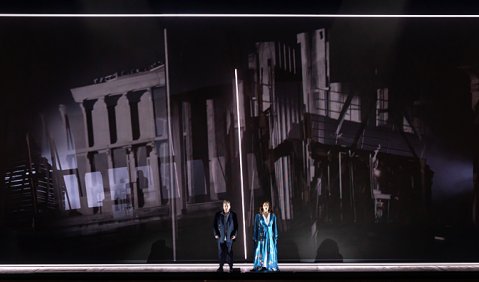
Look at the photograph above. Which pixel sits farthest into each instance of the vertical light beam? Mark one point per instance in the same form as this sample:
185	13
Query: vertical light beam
170	146
241	161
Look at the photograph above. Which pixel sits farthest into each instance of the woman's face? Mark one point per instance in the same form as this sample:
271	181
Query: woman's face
265	207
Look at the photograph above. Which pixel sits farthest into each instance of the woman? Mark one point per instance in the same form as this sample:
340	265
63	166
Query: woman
265	236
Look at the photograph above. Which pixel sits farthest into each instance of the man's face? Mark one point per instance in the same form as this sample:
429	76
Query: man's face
226	207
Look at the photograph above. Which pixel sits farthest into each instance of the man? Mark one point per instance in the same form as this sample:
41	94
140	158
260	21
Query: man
225	229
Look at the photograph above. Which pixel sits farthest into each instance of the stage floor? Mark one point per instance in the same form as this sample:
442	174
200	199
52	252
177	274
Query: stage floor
243	268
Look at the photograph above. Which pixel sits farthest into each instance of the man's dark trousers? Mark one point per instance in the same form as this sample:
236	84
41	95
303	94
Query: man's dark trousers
225	253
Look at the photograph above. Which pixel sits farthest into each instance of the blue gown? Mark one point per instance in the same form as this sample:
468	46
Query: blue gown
265	236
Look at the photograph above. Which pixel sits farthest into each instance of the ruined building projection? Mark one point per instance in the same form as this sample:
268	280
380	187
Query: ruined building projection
406	126
28	194
123	165
315	70
315	76
194	135
327	162
263	64
382	107
337	98
337	111
217	180
322	97
253	185
205	149
276	98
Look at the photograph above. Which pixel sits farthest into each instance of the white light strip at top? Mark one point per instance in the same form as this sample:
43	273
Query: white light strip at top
241	161
4	15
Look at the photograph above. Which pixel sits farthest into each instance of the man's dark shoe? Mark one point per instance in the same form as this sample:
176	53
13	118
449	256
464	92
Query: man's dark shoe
220	269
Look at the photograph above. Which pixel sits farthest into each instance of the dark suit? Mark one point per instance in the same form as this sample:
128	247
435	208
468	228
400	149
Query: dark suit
225	228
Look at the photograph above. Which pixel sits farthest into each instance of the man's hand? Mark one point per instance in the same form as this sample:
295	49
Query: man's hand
216	236
233	237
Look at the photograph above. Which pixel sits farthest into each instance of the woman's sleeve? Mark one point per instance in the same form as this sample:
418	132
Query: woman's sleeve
275	228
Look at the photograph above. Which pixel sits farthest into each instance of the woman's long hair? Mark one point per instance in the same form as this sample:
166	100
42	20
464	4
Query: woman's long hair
269	204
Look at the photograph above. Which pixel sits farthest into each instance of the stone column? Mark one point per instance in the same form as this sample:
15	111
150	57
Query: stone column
87	108
134	98
111	102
